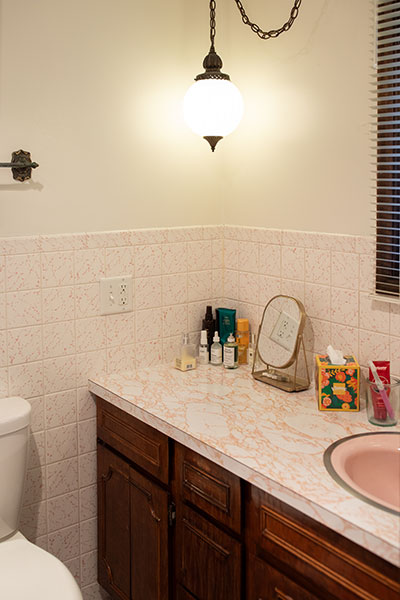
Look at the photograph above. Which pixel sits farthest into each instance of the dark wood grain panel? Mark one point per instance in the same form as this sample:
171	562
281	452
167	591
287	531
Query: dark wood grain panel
139	442
266	583
113	524
347	571
209	487
149	539
208	559
289	556
182	594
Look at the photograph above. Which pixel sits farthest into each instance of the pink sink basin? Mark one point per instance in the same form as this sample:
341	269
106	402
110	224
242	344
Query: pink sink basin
368	466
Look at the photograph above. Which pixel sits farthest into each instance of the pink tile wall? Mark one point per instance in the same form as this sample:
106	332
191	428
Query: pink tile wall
52	337
333	276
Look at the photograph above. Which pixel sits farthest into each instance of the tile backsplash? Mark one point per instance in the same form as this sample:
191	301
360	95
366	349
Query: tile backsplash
52	336
332	274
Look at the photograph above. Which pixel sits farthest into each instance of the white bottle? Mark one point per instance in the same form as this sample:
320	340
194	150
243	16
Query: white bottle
203	348
186	359
216	350
252	349
231	353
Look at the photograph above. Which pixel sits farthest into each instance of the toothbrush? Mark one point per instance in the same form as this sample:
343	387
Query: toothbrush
381	389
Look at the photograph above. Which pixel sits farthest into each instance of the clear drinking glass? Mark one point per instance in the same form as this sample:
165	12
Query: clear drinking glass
377	411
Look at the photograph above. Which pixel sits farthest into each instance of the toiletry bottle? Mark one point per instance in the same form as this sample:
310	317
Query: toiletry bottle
231	353
383	371
203	348
209	326
242	338
216	351
226	318
186	359
252	349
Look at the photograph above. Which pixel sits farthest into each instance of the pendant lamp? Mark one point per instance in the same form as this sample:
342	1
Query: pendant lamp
213	105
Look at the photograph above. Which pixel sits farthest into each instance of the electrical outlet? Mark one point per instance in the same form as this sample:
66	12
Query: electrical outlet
116	295
285	331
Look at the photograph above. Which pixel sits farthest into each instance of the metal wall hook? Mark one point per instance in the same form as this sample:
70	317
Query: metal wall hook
21	165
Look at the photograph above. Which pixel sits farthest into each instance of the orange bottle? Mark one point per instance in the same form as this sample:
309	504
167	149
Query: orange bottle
242	338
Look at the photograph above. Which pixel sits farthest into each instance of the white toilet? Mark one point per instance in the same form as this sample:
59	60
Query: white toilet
26	571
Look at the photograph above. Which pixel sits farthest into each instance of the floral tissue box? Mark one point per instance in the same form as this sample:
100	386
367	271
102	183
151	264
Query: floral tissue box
337	386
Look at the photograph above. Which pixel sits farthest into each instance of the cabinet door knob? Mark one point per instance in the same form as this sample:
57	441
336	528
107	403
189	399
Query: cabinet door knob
281	596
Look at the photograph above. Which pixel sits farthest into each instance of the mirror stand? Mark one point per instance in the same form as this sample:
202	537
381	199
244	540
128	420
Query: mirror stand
295	378
280	358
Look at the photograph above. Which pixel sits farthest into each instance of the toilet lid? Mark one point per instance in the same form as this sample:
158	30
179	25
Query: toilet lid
15	414
27	571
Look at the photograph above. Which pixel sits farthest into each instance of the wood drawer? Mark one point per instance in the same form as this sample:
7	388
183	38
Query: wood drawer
209	487
343	569
140	443
266	583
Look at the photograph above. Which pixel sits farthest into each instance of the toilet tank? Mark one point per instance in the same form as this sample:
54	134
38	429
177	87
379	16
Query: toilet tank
14	433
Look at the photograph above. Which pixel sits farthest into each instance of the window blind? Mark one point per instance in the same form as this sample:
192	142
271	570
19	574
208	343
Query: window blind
387	280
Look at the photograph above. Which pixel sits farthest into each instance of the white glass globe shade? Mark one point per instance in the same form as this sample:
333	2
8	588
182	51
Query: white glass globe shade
213	107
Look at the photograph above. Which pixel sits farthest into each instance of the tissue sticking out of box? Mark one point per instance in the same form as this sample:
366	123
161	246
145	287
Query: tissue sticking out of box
335	356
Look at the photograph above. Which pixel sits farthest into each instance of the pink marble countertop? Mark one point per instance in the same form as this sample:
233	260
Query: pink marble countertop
270	438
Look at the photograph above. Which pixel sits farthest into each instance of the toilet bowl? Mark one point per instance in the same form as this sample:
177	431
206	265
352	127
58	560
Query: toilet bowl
26	571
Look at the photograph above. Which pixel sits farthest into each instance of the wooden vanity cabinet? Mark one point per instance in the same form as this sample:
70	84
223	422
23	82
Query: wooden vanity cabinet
144	446
209	488
133	509
182	594
208	547
173	525
113	523
149	514
305	560
266	583
209	564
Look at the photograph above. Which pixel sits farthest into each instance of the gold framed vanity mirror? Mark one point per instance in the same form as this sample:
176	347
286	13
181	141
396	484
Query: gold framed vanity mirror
280	357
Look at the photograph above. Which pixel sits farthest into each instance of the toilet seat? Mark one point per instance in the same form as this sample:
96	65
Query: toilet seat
27	571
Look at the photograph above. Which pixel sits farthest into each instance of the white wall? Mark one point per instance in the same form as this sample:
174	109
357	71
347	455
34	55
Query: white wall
301	158
94	91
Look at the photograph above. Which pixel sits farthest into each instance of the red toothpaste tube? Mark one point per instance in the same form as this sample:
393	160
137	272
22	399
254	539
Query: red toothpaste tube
383	370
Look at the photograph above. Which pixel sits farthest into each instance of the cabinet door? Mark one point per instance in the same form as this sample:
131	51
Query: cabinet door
208	559
266	583
113	523
149	539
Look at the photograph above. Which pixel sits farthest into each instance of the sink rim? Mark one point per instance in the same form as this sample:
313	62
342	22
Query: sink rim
332	472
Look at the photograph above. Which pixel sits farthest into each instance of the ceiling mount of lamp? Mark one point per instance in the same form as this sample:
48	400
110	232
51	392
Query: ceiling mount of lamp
213	105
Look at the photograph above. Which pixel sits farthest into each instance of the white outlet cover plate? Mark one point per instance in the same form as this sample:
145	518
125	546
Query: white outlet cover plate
285	331
116	295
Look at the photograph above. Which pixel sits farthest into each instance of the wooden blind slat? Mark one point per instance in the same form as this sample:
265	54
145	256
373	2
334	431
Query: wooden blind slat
387	103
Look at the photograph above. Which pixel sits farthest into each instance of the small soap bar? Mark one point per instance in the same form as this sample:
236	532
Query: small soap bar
337	386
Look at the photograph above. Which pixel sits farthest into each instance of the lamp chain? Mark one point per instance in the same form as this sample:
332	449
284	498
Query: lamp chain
212	22
273	33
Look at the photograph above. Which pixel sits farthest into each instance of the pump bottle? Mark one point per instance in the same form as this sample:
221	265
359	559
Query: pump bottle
203	349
